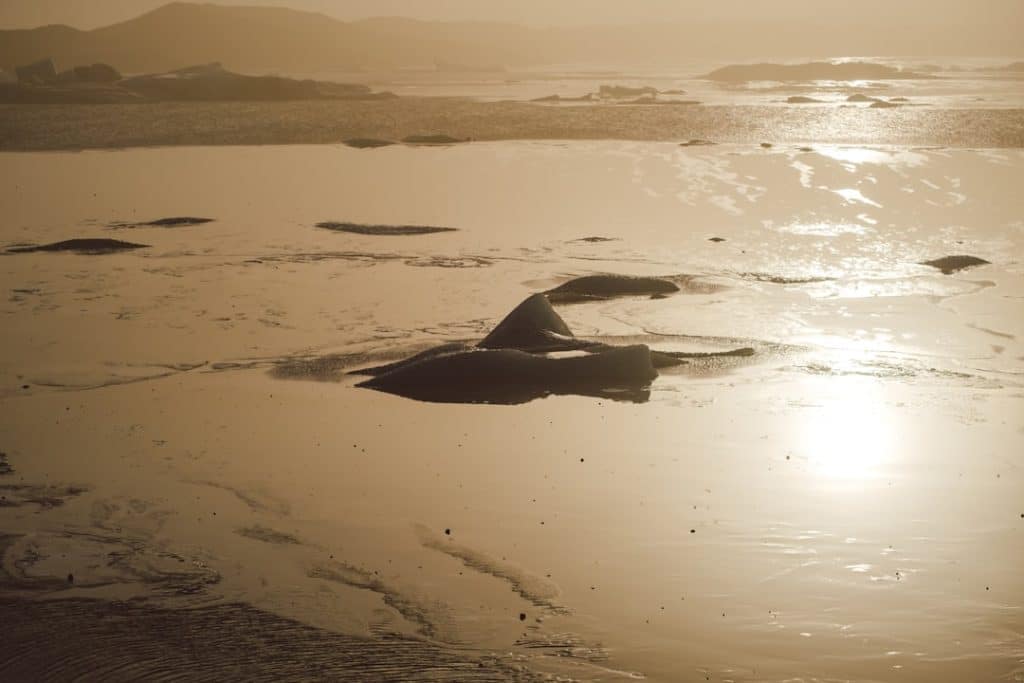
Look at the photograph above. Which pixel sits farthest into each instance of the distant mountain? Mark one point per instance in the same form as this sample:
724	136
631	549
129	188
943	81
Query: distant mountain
266	39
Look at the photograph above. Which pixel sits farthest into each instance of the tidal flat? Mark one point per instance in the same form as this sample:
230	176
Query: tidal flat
184	449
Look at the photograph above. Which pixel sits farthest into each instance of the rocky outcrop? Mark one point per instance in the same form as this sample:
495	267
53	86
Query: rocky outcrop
37	73
437	139
88	246
512	365
533	324
951	264
623	92
92	73
601	287
383	230
368	143
508	376
101	83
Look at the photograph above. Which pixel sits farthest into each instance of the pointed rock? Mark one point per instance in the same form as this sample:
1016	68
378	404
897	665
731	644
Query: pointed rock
532	324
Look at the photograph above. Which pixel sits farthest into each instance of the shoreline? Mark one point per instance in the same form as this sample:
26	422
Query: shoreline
37	128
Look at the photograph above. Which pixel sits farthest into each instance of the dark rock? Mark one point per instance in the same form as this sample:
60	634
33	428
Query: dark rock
766	145
882	104
860	97
601	287
91	73
37	73
716	239
507	376
173	222
558	98
595	239
622	91
432	140
89	246
950	264
531	325
383	230
509	366
441	350
696	142
178	221
212	82
801	99
653	100
368	143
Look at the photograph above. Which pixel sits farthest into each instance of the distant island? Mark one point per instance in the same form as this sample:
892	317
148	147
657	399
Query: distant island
813	71
40	83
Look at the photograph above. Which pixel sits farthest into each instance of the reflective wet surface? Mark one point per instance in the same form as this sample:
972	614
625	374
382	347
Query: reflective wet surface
845	503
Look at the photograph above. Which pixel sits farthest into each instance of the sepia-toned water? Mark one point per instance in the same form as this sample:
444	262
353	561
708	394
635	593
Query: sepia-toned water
845	504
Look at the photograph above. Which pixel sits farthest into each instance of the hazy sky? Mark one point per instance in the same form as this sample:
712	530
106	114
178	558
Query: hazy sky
914	14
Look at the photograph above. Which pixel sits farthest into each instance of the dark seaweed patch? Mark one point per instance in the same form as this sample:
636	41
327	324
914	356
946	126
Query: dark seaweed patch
90	246
432	140
382	230
368	143
172	222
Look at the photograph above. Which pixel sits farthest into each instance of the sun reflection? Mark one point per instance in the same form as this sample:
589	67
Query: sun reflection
856	155
853	195
850	435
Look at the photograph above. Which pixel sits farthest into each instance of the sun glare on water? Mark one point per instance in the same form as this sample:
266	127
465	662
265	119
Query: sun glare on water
851	435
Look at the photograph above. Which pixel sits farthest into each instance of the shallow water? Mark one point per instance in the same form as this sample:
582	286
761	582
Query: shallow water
952	83
846	504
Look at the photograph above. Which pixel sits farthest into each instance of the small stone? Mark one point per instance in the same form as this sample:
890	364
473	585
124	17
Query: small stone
522	616
71	578
447	532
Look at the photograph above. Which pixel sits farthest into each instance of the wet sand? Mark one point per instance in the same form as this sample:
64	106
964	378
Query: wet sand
844	504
